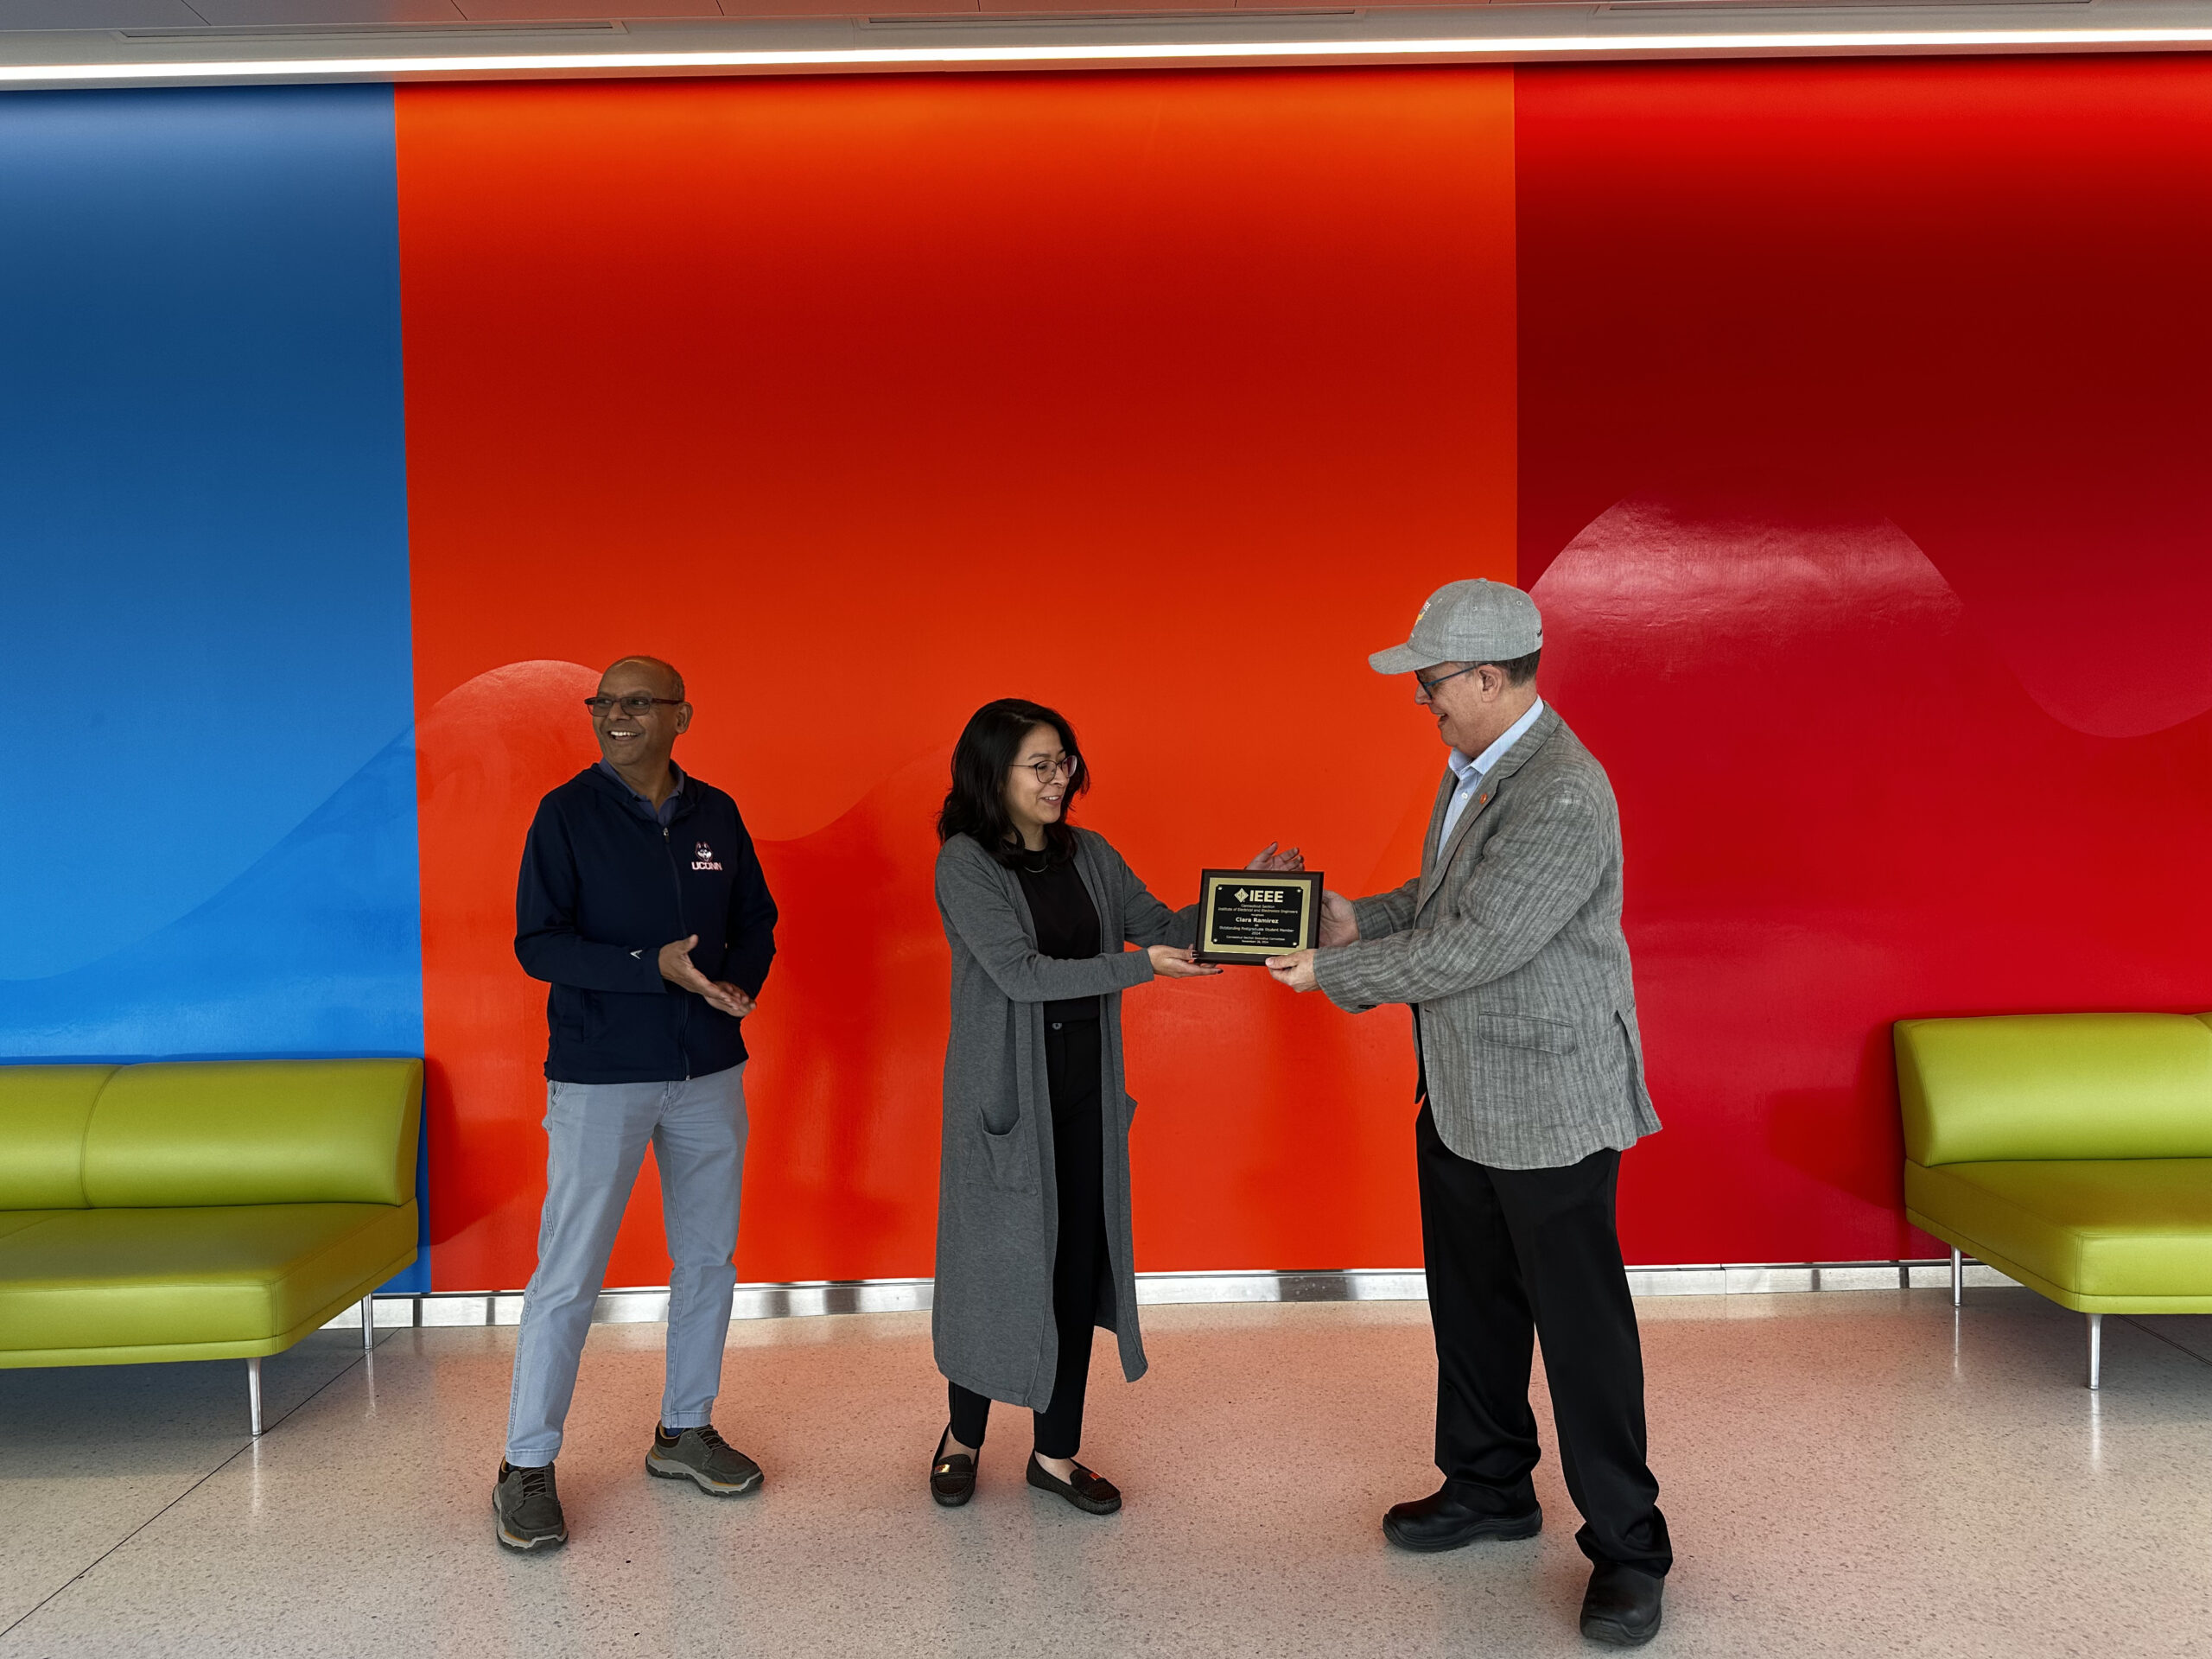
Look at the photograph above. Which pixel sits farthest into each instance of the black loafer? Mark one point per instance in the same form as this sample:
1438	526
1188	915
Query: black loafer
952	1476
1087	1492
1621	1607
1443	1521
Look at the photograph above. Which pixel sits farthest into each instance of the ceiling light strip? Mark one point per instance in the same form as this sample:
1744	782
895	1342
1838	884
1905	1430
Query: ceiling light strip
1195	52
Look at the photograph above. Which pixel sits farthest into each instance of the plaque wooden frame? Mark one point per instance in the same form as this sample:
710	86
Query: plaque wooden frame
1220	910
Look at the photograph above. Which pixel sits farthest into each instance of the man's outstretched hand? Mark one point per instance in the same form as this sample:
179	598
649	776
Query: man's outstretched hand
1339	925
1275	858
677	968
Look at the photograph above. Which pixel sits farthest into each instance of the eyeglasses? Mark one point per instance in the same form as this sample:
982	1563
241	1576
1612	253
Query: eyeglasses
1047	769
1428	686
603	705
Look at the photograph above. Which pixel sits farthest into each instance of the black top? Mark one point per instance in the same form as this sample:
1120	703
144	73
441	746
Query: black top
606	882
1067	924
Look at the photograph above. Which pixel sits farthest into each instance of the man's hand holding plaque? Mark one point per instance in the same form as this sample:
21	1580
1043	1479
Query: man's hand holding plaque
1339	925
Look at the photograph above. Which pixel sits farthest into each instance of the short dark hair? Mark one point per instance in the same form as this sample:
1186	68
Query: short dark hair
1520	669
976	804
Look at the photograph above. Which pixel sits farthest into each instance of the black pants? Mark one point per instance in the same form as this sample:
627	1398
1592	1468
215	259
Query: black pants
1073	1064
1517	1253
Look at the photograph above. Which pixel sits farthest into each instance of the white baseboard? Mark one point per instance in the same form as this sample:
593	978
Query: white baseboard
650	1306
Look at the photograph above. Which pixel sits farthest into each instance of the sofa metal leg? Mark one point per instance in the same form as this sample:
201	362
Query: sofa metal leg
1958	1277
2096	1346
369	1321
253	1393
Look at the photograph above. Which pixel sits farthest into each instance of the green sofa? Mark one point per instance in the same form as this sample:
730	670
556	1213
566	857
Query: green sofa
199	1210
2071	1152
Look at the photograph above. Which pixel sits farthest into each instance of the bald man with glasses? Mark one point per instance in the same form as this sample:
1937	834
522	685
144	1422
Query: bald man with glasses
642	904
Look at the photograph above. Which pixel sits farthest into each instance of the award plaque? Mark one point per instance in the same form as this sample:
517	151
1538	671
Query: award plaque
1250	915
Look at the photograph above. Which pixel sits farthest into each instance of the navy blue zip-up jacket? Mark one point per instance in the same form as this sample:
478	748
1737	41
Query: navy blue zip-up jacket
603	887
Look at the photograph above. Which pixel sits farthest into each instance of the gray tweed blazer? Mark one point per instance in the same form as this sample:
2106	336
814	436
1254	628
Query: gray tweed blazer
1509	947
997	1213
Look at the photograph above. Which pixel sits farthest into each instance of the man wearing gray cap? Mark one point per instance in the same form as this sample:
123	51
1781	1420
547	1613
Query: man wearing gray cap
1509	948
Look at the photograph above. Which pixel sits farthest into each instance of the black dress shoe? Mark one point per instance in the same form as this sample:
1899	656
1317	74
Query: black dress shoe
1621	1607
952	1475
1442	1521
1087	1492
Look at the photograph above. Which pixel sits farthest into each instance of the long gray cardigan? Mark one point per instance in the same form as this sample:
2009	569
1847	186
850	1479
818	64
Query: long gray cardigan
998	1213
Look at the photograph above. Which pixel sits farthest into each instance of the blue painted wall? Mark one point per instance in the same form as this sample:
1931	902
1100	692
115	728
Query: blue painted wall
209	816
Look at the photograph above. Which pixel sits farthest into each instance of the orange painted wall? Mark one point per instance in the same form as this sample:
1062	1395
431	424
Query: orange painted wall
1161	398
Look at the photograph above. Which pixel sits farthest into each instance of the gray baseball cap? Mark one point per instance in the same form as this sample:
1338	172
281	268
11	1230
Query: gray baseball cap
1476	621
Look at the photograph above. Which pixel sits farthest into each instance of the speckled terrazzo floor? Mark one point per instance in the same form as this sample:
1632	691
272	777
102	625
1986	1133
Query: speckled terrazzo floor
1846	1473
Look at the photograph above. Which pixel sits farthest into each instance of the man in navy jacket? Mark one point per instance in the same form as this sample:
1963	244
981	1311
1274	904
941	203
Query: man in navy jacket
641	903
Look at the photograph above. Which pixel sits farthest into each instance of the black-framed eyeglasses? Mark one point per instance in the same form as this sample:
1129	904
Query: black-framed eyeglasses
1047	769
604	705
1428	686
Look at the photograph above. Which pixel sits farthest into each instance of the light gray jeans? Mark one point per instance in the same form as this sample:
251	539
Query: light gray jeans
596	1134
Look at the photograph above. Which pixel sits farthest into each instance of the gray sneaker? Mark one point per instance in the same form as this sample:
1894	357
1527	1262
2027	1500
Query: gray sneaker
527	1509
702	1455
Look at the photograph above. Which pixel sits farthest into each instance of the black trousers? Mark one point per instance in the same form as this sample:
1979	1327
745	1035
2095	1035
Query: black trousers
1513	1254
1074	1060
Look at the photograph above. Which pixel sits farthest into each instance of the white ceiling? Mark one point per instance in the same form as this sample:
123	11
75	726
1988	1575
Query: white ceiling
47	43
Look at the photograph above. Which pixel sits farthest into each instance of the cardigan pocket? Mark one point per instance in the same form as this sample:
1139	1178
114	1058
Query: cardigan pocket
1010	1155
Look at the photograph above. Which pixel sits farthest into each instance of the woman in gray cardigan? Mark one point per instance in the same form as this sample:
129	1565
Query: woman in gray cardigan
1033	1237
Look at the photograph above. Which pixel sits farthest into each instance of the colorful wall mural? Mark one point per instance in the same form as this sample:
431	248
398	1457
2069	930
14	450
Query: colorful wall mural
1844	418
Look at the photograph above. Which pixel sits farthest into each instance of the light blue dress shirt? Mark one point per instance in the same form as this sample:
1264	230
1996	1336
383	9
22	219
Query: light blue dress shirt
1471	773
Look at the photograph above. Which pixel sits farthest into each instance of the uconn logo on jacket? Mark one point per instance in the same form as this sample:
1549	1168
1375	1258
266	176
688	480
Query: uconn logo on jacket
607	884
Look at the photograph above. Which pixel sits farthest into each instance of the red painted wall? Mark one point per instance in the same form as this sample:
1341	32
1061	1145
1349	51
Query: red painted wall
1858	464
1162	399
1864	472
